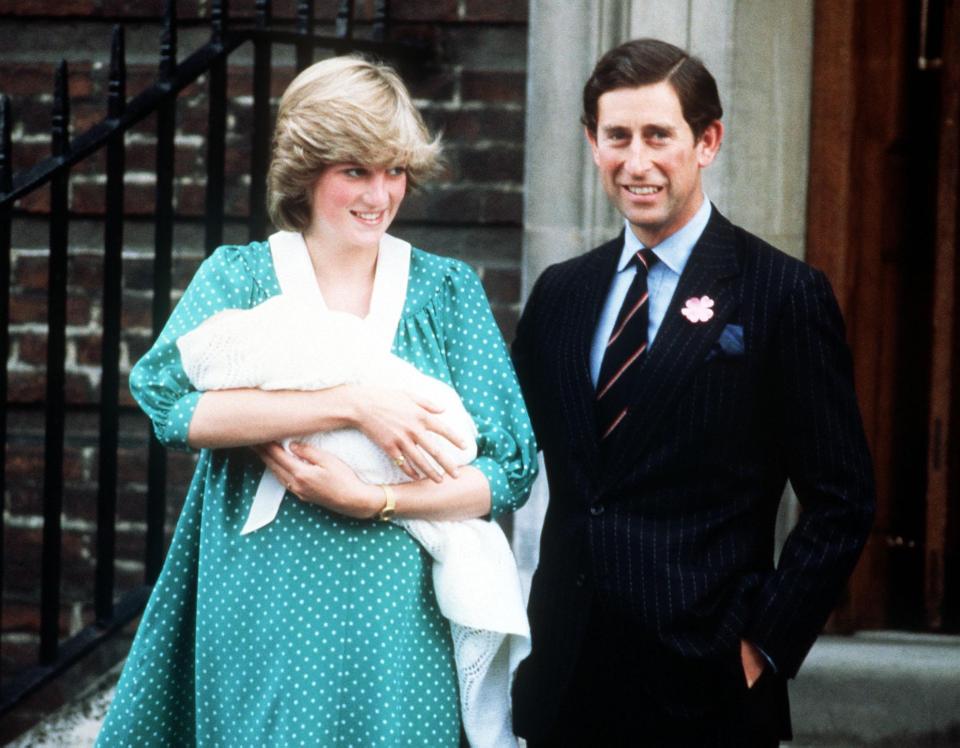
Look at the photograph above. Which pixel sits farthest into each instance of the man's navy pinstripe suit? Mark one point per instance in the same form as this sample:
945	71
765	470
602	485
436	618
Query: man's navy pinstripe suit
669	528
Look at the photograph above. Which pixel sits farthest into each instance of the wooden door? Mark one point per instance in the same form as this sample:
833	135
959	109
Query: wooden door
942	540
883	178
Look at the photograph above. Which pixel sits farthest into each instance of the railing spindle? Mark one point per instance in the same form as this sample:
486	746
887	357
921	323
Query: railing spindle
260	148
110	345
304	28
219	13
344	25
162	274
56	351
381	20
216	133
6	184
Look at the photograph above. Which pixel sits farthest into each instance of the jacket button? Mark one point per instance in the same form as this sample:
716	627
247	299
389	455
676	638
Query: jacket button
596	509
581	579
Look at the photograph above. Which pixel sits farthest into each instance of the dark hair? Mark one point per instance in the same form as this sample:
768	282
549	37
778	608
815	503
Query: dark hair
644	62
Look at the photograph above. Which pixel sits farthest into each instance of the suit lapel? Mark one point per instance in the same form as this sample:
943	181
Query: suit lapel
680	345
583	310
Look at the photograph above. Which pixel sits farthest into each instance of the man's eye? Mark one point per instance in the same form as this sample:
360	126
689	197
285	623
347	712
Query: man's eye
354	171
397	171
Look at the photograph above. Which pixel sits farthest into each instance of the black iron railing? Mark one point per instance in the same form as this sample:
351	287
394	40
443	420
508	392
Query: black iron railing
108	135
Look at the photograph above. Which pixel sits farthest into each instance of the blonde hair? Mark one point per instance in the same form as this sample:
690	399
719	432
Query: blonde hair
343	110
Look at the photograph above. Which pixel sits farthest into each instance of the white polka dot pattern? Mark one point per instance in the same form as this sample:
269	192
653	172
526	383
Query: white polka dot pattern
317	630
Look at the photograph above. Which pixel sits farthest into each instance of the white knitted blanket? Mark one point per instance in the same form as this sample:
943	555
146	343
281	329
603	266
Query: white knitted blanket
292	341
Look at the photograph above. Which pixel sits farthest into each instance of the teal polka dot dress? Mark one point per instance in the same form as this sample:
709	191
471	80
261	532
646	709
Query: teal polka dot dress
317	630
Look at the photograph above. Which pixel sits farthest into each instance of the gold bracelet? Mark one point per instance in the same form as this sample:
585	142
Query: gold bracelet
389	506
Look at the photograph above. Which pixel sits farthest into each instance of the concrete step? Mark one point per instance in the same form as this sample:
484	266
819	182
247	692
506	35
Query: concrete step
879	689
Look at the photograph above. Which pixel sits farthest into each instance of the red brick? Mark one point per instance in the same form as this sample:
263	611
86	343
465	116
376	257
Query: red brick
24	464
191	199
187	158
86	114
89	349
502	207
424	10
126	399
26	155
465	204
506	317
426	36
49	7
139	77
94	164
435	85
30	387
237	157
23	548
85	274
149	9
132	465
30	273
90	199
490	86
184	268
498	164
36	202
21	617
32	348
137	274
79	390
32	78
132	505
480	124
26	387
136	312
33	308
498	11
502	285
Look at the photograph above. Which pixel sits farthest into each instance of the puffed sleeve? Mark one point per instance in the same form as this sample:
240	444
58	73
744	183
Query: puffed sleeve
483	376
157	381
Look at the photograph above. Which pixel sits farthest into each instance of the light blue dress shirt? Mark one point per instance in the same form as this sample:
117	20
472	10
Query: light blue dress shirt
672	253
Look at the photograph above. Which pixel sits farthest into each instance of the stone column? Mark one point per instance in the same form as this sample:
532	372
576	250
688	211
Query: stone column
760	53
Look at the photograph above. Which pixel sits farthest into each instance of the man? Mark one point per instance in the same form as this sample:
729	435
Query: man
677	377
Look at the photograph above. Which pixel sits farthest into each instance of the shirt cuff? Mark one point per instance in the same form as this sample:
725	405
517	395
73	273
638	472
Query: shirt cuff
501	497
174	431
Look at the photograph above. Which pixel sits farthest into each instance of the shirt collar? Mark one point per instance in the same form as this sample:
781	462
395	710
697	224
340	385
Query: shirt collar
674	251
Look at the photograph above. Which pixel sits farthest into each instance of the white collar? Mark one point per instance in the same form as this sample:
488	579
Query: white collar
291	262
675	250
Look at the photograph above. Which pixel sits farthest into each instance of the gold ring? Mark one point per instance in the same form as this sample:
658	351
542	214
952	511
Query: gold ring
399	461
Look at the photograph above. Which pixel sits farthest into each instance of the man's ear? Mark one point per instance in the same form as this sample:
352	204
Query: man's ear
592	139
708	146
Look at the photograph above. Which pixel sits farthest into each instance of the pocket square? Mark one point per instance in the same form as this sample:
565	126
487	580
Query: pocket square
729	344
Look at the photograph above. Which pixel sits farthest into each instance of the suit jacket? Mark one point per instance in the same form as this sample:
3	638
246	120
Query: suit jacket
671	524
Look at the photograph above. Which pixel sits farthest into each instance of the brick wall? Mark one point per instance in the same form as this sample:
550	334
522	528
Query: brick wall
472	90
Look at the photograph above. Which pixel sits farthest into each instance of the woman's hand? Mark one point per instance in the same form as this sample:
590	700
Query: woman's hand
399	423
316	476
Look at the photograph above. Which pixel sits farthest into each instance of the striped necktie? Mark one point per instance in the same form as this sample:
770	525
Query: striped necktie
625	349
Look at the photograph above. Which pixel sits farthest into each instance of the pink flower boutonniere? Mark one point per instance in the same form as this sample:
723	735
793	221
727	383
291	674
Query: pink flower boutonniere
698	310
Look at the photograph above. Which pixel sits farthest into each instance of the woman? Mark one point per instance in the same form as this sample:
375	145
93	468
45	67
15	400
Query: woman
322	628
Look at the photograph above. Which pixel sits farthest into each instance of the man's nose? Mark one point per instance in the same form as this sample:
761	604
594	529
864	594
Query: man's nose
638	158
